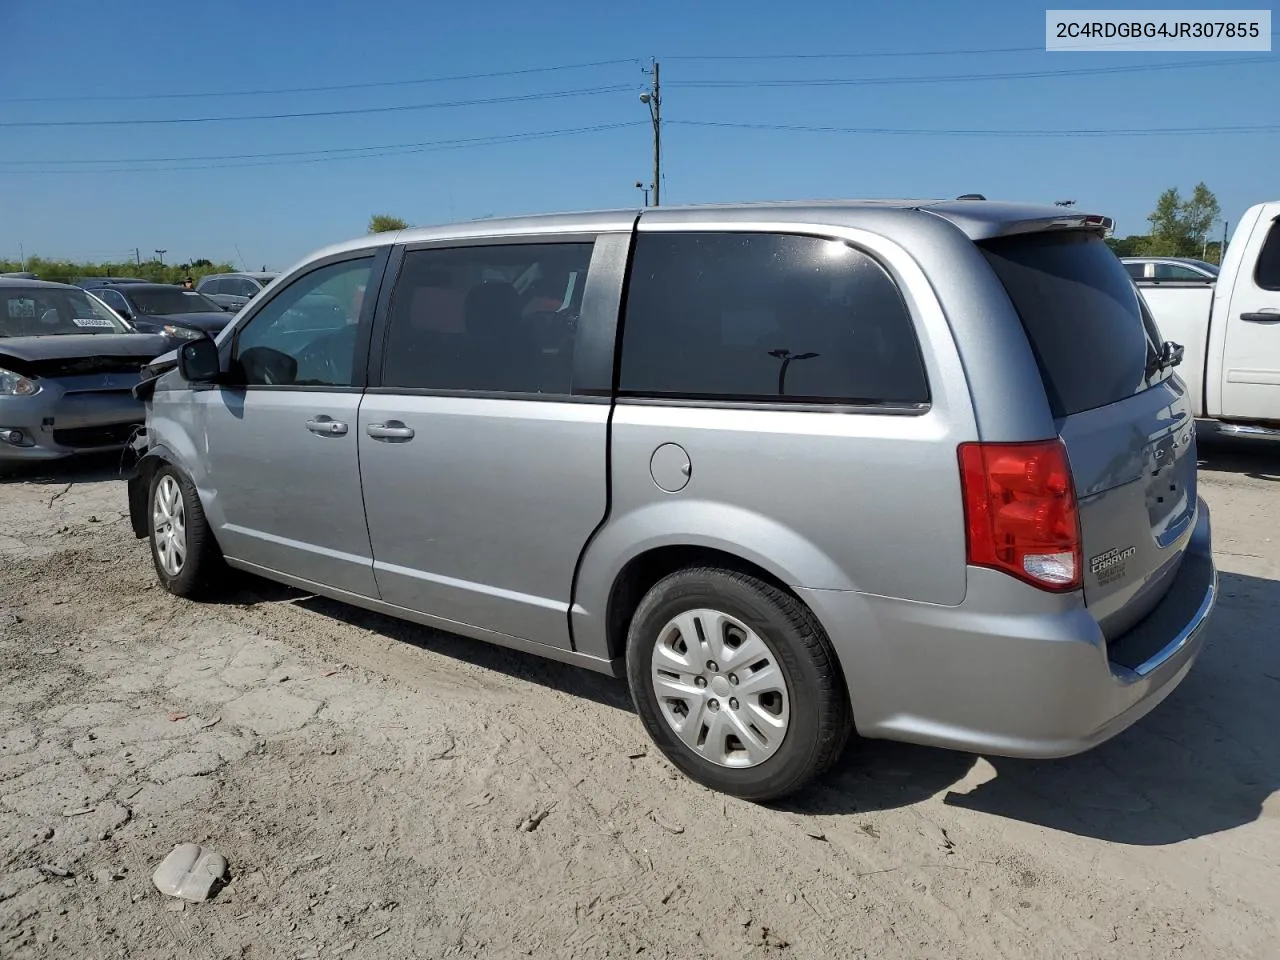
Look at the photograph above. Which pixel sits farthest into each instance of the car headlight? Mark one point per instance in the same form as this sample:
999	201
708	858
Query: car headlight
181	333
15	385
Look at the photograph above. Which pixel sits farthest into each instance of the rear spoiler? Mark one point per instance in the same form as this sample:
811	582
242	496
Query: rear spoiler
987	221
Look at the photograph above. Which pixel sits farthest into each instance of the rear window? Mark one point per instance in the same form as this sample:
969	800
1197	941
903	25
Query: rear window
1087	325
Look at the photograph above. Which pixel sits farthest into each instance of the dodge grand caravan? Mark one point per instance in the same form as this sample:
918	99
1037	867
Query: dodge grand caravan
914	470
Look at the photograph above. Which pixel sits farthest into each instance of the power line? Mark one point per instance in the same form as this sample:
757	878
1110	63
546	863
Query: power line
909	131
383	151
966	77
533	134
326	89
517	98
872	54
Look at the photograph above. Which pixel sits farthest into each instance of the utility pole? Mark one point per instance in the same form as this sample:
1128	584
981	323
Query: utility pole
1222	250
160	254
653	99
137	255
22	258
641	185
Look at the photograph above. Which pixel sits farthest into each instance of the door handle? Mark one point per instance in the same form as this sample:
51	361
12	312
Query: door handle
327	427
391	430
1262	316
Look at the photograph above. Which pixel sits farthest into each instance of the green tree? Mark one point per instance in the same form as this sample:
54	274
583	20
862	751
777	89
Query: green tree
68	271
1131	246
1180	228
1169	235
1200	213
384	223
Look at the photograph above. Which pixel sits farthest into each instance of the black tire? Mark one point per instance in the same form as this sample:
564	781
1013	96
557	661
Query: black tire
202	570
820	720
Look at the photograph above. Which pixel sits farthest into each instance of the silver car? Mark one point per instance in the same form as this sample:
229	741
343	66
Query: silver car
233	290
915	470
68	366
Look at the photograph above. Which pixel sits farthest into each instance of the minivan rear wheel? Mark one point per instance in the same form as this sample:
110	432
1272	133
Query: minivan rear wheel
187	559
736	683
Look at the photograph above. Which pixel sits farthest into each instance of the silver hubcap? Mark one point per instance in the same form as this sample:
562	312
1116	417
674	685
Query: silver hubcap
169	526
720	688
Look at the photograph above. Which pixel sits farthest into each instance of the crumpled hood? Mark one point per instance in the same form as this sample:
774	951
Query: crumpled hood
22	351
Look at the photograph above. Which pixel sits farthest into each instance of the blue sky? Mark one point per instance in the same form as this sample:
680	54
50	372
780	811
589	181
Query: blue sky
277	209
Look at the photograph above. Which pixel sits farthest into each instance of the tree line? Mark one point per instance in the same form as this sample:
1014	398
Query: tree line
67	271
1179	228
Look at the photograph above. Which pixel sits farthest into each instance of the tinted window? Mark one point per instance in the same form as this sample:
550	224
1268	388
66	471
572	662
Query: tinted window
1171	271
166	301
244	288
307	334
1136	270
210	286
112	299
1267	273
496	318
766	317
1082	315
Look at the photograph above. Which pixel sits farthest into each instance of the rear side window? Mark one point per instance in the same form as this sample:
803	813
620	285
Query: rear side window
492	318
766	318
1083	316
1267	273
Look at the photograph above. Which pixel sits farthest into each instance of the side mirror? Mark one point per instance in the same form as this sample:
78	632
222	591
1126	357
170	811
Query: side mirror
198	361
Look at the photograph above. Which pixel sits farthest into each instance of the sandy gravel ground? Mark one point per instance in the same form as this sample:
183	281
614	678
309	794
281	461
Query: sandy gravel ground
381	790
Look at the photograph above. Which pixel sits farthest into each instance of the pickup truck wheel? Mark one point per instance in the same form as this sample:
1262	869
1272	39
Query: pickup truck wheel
187	559
736	683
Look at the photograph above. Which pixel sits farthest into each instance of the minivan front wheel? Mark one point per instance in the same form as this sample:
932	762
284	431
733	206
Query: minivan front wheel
736	682
183	549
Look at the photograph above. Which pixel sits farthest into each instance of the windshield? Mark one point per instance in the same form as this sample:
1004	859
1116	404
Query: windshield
48	312
162	302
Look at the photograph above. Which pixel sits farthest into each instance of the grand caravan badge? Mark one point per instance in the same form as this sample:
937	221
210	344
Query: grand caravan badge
1110	566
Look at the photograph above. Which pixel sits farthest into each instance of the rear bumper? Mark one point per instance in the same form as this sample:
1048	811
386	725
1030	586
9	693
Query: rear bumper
1013	671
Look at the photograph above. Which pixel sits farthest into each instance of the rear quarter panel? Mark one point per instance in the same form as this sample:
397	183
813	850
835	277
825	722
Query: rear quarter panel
830	500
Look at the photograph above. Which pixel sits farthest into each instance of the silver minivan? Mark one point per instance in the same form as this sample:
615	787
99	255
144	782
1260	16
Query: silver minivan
916	470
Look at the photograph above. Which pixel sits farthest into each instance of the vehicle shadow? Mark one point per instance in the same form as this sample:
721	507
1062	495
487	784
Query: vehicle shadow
1203	762
576	681
86	468
1256	459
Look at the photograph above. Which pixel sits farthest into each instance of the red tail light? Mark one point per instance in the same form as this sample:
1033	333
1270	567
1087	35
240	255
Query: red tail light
1020	511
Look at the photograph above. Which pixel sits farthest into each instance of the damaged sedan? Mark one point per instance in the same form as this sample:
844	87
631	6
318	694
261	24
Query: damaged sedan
67	368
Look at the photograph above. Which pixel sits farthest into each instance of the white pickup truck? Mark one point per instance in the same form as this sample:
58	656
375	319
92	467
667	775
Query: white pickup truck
1230	329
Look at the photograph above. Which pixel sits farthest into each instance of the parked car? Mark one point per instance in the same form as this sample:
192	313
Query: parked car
163	308
1170	269
918	470
1229	329
92	283
234	290
67	369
